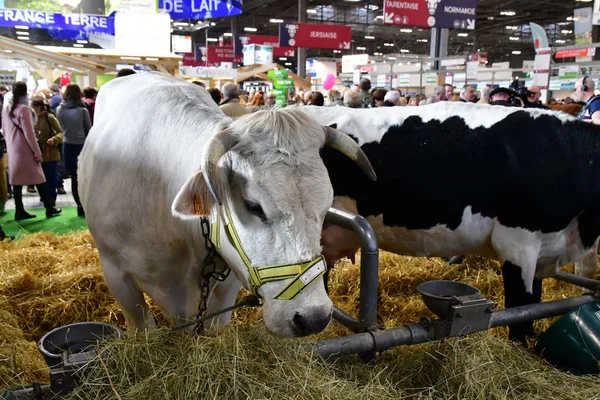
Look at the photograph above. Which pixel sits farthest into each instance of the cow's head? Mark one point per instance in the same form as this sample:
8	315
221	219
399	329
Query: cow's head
263	174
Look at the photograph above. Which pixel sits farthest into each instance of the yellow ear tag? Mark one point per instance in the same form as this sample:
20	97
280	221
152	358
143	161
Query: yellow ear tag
199	207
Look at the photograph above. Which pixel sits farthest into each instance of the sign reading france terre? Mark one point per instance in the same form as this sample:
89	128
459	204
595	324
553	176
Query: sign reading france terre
46	20
316	36
458	14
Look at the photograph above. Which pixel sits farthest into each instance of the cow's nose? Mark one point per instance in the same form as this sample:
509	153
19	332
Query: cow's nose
310	323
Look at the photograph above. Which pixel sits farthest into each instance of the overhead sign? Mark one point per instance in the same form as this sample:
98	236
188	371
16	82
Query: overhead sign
95	7
277	74
201	9
349	61
591	51
457	14
45	20
315	36
278	51
216	54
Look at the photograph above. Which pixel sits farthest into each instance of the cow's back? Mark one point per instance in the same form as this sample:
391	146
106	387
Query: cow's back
146	142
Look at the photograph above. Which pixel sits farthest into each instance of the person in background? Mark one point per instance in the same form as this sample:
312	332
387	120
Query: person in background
56	97
307	97
467	94
449	91
270	100
334	98
414	101
584	93
256	103
391	99
351	99
502	97
231	101
439	94
24	152
76	124
201	84
533	98
49	136
364	97
378	98
89	97
318	99
215	94
124	72
485	95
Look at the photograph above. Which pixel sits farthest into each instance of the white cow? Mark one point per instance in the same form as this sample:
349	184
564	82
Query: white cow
160	155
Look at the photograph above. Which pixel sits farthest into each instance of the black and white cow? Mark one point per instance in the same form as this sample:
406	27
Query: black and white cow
521	186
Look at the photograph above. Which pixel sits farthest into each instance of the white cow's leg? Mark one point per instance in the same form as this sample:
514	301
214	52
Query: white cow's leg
223	295
131	300
588	266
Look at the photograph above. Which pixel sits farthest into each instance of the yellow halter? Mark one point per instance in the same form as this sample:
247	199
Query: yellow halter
302	274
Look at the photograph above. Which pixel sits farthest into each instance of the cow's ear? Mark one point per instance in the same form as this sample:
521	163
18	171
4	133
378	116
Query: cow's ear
193	200
334	126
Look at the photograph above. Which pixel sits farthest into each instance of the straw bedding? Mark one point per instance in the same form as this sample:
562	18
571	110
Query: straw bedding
48	281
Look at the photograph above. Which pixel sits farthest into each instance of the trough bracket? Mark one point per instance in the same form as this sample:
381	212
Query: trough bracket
471	313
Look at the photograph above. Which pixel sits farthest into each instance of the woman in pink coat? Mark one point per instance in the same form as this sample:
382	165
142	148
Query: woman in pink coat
24	155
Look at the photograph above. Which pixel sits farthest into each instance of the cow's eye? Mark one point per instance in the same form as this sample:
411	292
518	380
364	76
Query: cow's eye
256	209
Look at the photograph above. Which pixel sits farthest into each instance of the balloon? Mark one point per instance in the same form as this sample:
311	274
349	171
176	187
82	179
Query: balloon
328	82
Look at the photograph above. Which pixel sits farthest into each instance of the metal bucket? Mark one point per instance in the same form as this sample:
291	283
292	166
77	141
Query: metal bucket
439	296
572	343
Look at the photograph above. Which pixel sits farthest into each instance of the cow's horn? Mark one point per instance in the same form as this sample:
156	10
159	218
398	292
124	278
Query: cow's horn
344	144
215	148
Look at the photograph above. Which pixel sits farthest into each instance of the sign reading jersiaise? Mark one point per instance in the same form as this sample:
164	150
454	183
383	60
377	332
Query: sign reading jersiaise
316	36
45	20
458	14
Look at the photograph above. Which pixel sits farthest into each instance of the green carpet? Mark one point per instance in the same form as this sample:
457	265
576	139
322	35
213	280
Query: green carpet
65	222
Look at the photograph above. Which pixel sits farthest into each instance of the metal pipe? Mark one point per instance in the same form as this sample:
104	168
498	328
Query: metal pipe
530	312
347	320
591	284
371	341
369	262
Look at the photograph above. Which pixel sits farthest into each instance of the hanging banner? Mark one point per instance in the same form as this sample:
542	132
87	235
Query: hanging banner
591	51
96	7
582	25
540	40
45	20
201	9
315	36
278	51
216	54
457	14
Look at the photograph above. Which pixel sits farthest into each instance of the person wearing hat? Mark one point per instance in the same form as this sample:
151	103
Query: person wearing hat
584	92
503	97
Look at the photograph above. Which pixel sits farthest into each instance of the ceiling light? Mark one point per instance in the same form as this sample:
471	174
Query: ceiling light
21	27
337	51
513	38
389	44
276	21
379	17
351	1
212	39
470	44
514	28
560	41
462	34
8	51
82	41
23	33
566	32
369	37
283	58
249	29
585	1
508	13
213	23
181	24
372	7
517	52
227	34
361	48
404	30
391	58
23	37
404	51
311	11
288	63
151	58
77	45
422	40
570	18
130	58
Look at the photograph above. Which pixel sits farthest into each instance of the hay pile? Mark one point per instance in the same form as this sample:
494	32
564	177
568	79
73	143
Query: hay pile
48	281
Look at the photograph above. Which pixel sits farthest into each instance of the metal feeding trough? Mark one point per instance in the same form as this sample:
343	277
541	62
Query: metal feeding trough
461	308
440	296
69	348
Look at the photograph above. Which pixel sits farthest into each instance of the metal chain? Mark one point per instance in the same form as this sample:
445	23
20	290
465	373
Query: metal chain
207	270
